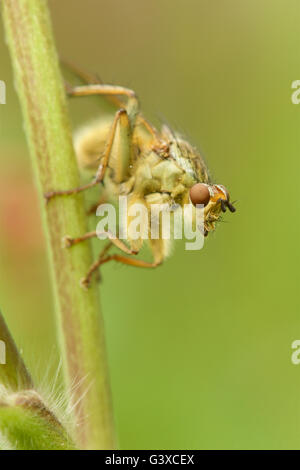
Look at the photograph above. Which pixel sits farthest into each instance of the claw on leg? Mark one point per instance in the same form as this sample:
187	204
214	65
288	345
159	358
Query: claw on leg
69	241
51	194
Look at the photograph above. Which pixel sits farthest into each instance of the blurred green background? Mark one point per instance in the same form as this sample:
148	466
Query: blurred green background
199	349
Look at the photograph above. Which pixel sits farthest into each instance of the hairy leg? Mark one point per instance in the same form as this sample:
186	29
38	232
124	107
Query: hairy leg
121	118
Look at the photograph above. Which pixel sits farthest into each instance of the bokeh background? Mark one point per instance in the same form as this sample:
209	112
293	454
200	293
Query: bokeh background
199	349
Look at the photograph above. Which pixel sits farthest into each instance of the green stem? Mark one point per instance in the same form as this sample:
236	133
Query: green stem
80	325
13	373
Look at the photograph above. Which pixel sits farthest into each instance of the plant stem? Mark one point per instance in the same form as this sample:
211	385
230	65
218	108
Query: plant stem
80	325
13	374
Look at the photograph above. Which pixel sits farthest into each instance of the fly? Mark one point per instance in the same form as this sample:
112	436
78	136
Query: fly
131	157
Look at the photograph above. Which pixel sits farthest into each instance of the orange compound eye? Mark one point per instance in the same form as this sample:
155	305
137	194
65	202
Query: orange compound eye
199	194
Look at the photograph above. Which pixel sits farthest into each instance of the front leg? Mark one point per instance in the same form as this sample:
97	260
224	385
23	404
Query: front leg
93	79
132	106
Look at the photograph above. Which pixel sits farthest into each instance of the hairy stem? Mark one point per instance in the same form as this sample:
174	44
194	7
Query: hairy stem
80	325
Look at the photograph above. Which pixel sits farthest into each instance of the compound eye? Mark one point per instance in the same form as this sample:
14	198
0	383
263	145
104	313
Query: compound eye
199	194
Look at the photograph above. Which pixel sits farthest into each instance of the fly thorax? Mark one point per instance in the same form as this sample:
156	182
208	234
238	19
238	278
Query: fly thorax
168	174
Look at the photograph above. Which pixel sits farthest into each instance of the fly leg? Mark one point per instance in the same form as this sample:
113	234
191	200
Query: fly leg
103	258
121	121
88	79
113	241
132	106
157	250
125	117
92	79
69	242
159	247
